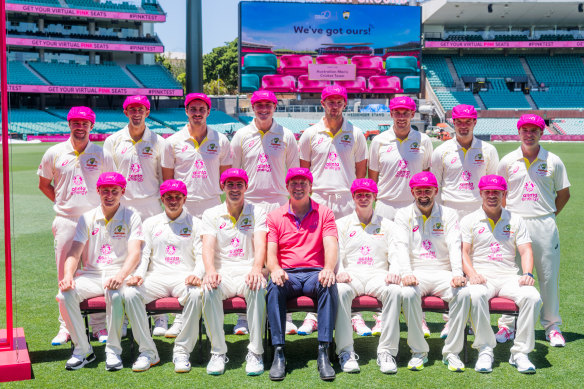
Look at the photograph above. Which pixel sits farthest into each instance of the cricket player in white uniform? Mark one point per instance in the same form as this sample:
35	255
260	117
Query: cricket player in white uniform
136	152
395	156
234	254
491	237
265	150
336	153
67	174
197	155
172	249
538	191
113	236
428	248
458	164
366	253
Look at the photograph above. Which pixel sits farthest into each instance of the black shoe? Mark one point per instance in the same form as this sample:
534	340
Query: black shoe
278	369
327	373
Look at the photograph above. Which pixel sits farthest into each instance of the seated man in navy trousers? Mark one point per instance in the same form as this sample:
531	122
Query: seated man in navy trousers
302	255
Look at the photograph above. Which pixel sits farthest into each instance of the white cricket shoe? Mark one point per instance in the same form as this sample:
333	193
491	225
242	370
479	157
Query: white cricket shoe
216	365
291	328
453	362
504	334
349	362
160	326
76	362
386	363
113	362
417	361
359	326
174	329
522	363
62	338
101	335
484	363
556	338
308	327
376	330
425	329
145	361
445	330
181	363
255	364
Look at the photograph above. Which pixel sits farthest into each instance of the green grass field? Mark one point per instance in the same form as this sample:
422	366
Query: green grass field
35	285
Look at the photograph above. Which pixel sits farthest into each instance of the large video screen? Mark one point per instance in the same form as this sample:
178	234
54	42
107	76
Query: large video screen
303	47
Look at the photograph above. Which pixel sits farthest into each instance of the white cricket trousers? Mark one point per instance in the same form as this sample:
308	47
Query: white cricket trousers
231	286
157	286
197	207
435	283
527	299
545	243
88	285
390	297
146	207
388	210
64	231
341	204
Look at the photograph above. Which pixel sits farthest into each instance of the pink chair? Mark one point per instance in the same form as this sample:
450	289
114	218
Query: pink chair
367	65
385	84
279	83
332	59
311	86
294	64
359	85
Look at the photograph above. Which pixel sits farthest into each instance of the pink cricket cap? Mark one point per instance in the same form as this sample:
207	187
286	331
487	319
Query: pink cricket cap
143	100
464	111
423	179
298	172
403	102
492	182
197	96
264	95
364	184
531	119
111	178
238	174
173	185
84	113
333	90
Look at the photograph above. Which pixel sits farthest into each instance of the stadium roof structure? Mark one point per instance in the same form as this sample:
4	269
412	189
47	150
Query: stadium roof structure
502	12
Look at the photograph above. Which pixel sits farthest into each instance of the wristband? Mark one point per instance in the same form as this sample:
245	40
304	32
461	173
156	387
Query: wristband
528	274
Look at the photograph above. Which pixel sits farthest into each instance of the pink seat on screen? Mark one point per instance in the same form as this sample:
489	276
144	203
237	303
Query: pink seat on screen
332	59
368	65
311	86
359	85
294	64
279	83
385	84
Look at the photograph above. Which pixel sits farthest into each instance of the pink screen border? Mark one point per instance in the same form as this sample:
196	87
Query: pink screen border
497	44
83	45
90	90
89	13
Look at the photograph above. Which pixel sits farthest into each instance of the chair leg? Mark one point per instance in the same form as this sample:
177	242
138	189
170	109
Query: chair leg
464	345
199	356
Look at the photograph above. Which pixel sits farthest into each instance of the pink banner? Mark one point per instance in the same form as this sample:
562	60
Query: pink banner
497	44
90	90
64	137
563	138
83	45
331	72
88	13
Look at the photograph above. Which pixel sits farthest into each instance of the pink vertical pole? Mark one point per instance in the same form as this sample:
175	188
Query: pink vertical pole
6	179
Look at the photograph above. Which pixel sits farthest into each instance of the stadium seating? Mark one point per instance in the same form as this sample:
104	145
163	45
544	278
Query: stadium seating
250	82
437	72
332	59
19	74
279	83
154	76
359	85
488	66
401	66
384	84
84	75
49	3
367	65
108	5
411	84
558	97
260	64
500	97
35	122
450	99
562	70
311	86
488	126
570	126
294	65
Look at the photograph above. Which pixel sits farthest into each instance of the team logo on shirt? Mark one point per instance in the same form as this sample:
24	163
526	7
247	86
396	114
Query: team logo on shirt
429	254
403	171
236	251
119	232
79	187
95	231
212	148
427	245
276	142
495	255
147	152
135	168
91	164
415	147
542	169
246	224
529	187
466	176
170	258
507	229
263	164
366	259
365	250
479	159
185	232
346	139
332	163
201	171
104	257
438	229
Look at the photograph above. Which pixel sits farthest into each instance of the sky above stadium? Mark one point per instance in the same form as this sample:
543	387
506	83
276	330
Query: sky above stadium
219	24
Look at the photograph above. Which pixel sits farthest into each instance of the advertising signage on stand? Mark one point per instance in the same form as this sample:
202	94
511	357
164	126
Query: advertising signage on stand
303	47
73	45
88	13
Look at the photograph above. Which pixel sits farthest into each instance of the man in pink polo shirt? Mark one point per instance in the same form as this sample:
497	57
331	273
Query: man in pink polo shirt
302	255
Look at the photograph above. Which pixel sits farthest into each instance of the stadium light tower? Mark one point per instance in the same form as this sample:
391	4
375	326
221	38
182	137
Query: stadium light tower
14	359
194	67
